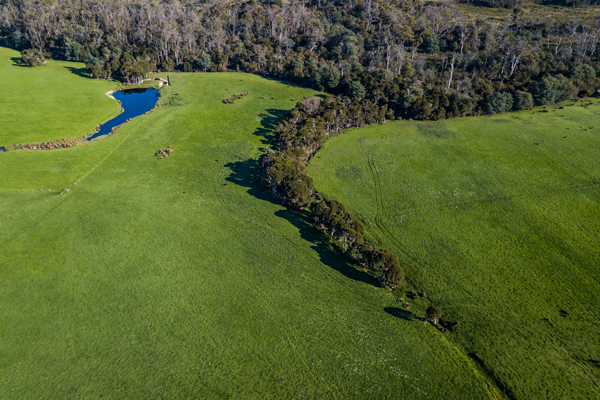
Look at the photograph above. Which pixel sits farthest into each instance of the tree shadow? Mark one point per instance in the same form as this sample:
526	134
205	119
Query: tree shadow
246	174
17	62
270	120
292	84
400	313
78	71
328	254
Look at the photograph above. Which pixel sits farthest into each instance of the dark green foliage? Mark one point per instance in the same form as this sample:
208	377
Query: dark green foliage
396	275
288	181
300	135
340	225
204	62
499	102
522	100
584	76
357	90
434	313
552	89
297	190
73	50
336	46
385	266
32	58
431	43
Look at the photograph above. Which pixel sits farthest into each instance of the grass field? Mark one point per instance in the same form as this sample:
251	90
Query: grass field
50	97
178	278
498	220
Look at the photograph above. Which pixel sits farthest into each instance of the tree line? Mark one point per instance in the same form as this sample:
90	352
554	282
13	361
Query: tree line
426	62
283	171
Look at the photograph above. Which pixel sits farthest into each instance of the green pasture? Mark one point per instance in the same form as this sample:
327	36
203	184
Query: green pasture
497	219
180	278
50	102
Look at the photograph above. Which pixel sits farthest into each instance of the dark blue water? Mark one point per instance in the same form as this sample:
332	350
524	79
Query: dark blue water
135	102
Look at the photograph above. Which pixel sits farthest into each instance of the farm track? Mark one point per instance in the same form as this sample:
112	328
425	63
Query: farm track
380	206
368	155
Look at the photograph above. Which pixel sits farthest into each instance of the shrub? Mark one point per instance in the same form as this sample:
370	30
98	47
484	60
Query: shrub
357	90
552	89
522	100
204	62
499	102
396	275
32	58
234	97
434	313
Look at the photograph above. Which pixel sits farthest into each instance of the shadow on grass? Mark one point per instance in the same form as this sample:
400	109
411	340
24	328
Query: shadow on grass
270	120
245	174
400	313
328	254
78	71
17	62
291	84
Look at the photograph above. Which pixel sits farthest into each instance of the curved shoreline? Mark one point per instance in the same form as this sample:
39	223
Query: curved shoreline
85	138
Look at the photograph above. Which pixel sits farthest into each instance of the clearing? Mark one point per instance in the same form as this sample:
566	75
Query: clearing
179	278
498	220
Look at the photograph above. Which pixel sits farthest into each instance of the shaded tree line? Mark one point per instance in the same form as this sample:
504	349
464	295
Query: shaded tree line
301	134
426	62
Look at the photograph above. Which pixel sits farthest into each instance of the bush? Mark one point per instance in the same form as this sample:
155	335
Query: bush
552	89
522	100
434	313
204	62
32	58
72	50
499	102
357	90
396	275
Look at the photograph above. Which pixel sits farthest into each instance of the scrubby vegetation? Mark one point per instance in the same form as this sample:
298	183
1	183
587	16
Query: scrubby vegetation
53	145
32	58
234	97
164	153
284	172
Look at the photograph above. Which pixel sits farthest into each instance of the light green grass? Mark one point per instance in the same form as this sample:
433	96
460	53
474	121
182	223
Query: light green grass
50	102
498	220
178	278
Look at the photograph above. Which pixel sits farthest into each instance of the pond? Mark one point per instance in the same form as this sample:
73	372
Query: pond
134	102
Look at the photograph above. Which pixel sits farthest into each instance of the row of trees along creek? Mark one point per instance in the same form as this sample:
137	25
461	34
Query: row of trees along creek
381	59
284	172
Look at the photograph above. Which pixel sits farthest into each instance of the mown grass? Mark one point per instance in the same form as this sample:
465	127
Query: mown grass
179	278
498	220
57	101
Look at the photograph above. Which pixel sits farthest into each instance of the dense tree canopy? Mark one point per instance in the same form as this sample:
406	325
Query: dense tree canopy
420	61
